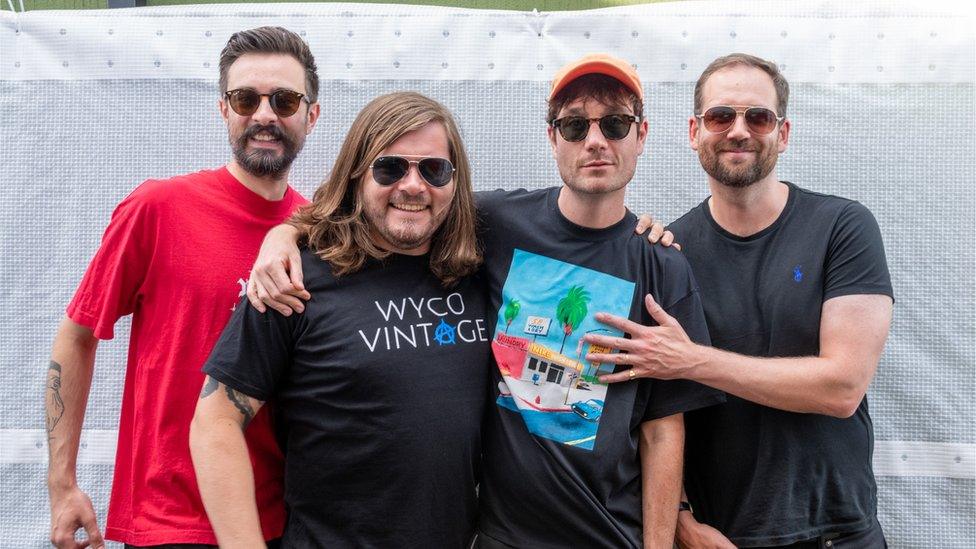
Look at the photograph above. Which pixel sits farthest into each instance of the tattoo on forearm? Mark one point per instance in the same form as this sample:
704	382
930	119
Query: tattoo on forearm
209	387
240	402
55	405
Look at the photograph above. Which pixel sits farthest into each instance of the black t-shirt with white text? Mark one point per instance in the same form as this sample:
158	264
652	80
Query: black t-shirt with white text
760	475
562	466
378	390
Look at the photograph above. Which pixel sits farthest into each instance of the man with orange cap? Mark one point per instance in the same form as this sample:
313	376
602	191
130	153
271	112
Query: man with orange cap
569	460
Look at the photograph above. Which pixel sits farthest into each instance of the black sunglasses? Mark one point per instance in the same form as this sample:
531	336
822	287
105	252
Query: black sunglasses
246	101
387	170
759	120
613	126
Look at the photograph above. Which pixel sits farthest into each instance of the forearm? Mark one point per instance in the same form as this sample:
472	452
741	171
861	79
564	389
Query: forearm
661	447
226	481
813	384
69	379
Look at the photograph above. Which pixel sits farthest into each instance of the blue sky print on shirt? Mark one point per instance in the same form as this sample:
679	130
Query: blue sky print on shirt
547	307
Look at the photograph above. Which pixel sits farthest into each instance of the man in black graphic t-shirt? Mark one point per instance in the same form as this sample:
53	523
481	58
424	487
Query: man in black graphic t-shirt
798	302
379	384
570	461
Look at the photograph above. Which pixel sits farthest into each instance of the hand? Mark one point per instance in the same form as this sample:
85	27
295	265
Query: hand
72	509
692	534
662	352
276	278
657	234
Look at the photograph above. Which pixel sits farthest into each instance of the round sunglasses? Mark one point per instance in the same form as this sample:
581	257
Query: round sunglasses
613	126
437	172
759	120
246	101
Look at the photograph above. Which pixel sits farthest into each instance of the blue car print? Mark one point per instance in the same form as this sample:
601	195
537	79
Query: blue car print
589	410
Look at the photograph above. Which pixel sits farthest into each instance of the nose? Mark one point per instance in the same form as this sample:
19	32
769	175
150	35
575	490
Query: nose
594	137
739	129
412	183
265	114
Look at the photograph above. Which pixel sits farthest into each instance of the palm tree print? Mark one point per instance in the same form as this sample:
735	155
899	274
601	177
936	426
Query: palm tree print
571	310
512	309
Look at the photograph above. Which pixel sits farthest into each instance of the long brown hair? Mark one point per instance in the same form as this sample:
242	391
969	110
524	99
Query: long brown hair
334	225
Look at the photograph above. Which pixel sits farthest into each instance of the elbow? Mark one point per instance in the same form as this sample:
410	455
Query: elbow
843	408
198	437
844	399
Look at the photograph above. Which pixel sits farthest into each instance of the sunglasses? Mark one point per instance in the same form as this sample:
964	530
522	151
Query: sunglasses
614	126
759	120
246	101
387	170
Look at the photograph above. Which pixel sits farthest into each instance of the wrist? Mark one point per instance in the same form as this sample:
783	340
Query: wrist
698	363
61	483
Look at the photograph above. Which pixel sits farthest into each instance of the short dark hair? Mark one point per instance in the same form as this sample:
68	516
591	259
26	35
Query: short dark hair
270	40
600	87
733	59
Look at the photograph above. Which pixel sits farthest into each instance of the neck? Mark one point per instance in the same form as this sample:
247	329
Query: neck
269	188
593	211
746	211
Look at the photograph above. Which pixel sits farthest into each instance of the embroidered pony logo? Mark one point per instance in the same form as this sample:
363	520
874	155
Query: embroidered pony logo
798	273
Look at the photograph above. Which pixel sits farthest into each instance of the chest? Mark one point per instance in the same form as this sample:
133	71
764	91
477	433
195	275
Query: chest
382	337
761	297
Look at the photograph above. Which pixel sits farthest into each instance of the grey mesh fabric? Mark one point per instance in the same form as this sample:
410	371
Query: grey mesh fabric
882	106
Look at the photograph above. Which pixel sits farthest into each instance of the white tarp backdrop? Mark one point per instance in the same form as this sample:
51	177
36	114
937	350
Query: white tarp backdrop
94	102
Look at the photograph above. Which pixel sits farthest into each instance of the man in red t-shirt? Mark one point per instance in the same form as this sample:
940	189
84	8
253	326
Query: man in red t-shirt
176	255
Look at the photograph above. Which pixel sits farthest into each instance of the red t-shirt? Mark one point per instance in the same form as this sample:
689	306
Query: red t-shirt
176	255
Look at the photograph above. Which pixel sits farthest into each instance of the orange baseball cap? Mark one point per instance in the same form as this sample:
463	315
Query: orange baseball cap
597	63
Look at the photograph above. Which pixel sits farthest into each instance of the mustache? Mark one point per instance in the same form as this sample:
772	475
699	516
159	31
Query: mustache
270	129
738	145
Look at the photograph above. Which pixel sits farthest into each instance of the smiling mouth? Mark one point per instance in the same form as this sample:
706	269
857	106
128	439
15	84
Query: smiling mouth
264	138
409	207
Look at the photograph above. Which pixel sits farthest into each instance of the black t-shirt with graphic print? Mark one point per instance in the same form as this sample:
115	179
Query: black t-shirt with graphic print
760	475
378	390
562	466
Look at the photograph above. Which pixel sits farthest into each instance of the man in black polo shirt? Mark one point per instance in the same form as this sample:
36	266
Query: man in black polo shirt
798	302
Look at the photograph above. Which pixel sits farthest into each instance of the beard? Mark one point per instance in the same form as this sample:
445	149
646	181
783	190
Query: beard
742	175
265	162
404	234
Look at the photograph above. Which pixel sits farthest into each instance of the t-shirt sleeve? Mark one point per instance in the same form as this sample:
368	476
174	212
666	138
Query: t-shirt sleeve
668	397
113	281
253	351
856	262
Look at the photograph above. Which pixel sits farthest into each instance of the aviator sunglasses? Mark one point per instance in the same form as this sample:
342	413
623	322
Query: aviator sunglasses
614	126
759	120
387	170
246	101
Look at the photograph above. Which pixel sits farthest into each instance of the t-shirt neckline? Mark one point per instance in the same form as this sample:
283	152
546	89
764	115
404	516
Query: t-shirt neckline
252	201
790	200
616	230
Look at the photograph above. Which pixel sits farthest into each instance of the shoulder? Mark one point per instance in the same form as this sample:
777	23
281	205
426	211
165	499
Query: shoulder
692	221
812	202
316	271
171	191
843	214
490	203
